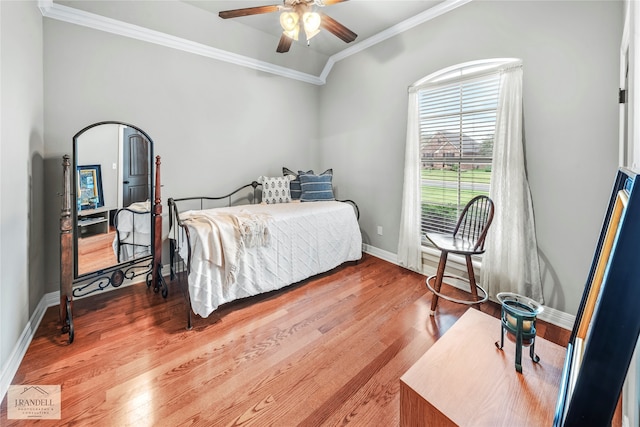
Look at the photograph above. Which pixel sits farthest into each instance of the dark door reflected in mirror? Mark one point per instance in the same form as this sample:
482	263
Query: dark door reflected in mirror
113	163
135	176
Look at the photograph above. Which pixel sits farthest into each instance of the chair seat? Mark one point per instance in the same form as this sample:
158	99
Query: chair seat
449	243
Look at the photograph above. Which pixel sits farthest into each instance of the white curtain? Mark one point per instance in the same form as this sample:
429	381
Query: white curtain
409	244
510	263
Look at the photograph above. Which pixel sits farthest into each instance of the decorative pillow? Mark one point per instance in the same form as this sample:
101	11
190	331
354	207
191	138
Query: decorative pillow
275	189
316	187
294	185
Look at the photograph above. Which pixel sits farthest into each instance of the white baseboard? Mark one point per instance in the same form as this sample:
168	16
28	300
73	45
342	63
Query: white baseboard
558	318
52	298
379	253
15	358
550	315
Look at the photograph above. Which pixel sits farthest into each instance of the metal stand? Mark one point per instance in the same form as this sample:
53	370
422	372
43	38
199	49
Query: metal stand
518	318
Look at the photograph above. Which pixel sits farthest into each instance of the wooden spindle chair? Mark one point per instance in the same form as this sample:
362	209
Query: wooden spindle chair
467	239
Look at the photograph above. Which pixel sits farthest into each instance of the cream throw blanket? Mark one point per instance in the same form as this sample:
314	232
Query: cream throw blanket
224	237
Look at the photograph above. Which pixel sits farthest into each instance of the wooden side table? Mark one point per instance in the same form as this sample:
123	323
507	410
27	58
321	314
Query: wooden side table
465	380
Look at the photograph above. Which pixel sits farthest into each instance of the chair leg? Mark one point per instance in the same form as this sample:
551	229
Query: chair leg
438	284
472	278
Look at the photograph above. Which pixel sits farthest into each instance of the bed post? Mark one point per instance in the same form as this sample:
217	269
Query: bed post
66	251
158	280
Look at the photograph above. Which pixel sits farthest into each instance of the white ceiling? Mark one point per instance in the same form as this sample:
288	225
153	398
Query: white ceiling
194	26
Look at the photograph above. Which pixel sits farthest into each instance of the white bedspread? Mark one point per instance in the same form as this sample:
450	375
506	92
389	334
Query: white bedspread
134	230
221	238
304	239
128	221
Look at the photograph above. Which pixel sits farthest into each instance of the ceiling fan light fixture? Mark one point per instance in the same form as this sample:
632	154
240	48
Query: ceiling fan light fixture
311	34
289	21
293	34
311	22
297	15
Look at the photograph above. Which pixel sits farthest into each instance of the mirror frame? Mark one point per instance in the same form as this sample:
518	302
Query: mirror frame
116	274
84	276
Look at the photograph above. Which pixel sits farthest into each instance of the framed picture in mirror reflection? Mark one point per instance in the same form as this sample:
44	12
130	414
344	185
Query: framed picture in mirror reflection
89	189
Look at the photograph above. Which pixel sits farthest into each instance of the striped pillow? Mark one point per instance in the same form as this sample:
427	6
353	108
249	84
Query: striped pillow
316	187
294	185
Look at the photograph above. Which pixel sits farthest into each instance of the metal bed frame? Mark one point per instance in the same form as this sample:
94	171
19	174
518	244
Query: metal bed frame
121	244
179	268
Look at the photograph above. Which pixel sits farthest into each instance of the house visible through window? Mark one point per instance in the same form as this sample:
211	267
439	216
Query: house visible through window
457	117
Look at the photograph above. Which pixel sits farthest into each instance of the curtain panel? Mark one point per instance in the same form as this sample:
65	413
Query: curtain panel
409	243
510	263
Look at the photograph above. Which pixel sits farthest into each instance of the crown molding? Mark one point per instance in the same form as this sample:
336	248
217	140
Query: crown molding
52	10
114	26
401	27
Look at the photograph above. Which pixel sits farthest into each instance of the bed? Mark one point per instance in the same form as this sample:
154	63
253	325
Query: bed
247	248
133	231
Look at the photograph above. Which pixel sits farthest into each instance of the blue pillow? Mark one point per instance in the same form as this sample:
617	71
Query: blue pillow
316	187
294	185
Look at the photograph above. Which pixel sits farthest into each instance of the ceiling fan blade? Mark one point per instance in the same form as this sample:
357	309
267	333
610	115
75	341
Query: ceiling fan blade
337	29
284	44
235	13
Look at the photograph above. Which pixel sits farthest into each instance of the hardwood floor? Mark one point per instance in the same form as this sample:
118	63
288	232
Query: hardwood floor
96	252
327	351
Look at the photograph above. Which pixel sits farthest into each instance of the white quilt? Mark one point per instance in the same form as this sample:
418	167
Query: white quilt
304	239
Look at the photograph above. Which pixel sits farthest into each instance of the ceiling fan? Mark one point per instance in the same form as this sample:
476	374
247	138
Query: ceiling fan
297	13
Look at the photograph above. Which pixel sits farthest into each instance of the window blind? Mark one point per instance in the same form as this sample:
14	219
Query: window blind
457	124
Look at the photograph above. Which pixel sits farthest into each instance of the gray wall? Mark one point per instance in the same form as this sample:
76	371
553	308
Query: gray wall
99	146
216	125
21	170
570	52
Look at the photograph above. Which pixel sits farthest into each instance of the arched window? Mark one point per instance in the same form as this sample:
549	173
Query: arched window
460	117
456	119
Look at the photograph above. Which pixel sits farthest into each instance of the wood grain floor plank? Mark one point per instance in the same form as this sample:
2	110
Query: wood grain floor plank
327	351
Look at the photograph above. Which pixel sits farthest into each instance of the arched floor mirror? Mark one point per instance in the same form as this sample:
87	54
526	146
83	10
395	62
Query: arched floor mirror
110	222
